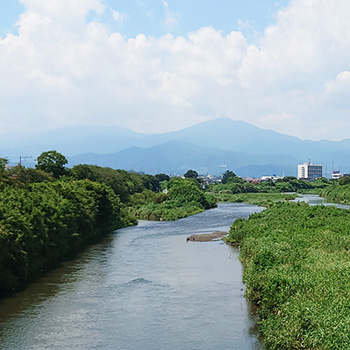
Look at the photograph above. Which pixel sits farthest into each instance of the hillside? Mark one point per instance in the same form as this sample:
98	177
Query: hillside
176	157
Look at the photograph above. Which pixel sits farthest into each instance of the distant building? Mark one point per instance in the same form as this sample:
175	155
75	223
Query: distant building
336	175
309	171
273	178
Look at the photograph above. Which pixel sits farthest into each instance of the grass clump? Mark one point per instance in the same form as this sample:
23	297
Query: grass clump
297	271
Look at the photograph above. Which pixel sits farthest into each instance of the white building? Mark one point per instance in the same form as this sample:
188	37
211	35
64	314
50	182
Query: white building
309	171
336	175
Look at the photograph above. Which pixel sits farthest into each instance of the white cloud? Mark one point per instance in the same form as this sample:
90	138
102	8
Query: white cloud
338	91
171	18
61	70
119	17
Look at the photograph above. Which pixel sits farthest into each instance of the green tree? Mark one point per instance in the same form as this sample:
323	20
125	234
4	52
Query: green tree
3	163
345	180
26	176
227	175
162	177
191	174
53	163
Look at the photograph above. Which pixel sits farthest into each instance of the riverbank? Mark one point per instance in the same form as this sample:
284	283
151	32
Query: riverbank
261	199
45	222
296	268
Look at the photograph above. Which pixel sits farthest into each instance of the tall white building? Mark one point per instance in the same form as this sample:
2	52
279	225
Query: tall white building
309	171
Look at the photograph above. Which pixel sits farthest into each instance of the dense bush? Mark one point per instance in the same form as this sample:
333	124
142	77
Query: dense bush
123	183
183	198
45	221
296	268
339	193
234	186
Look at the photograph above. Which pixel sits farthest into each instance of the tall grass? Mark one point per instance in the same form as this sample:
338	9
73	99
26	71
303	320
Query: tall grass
297	271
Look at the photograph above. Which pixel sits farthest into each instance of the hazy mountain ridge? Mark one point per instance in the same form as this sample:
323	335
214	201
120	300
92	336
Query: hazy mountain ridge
208	147
177	157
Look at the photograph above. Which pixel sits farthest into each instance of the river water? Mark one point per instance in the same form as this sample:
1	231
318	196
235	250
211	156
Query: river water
314	199
140	288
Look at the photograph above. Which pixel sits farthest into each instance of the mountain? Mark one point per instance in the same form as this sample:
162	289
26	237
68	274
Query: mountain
176	157
206	147
228	134
69	141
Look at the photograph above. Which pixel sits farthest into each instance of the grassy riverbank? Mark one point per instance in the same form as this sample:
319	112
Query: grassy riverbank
184	197
262	199
337	193
297	271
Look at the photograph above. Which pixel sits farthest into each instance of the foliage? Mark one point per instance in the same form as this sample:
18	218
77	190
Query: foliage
184	198
261	199
231	188
25	176
345	180
53	163
339	193
47	220
153	182
123	183
44	215
191	174
296	269
235	185
3	163
228	175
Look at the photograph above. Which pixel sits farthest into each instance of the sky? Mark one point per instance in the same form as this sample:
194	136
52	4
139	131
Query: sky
162	65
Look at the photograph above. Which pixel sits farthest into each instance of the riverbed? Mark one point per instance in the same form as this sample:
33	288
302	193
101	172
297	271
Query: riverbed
142	287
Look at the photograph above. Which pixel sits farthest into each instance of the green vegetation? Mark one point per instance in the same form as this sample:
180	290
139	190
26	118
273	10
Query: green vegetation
191	174
48	212
53	163
183	198
234	189
296	269
45	221
338	193
261	199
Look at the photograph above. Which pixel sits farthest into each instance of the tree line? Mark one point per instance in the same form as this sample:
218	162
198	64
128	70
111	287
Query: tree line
50	211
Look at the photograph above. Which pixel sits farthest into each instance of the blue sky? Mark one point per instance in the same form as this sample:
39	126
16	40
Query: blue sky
148	16
162	65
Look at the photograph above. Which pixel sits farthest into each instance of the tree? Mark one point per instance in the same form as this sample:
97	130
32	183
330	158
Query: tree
3	163
191	174
228	174
344	180
53	163
162	177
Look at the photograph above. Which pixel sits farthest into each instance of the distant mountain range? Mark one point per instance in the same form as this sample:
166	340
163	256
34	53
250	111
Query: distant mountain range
210	147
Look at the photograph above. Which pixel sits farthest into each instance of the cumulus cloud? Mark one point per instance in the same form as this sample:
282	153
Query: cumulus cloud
338	92
62	70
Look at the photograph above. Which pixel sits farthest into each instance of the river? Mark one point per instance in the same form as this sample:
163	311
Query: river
314	199
140	288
